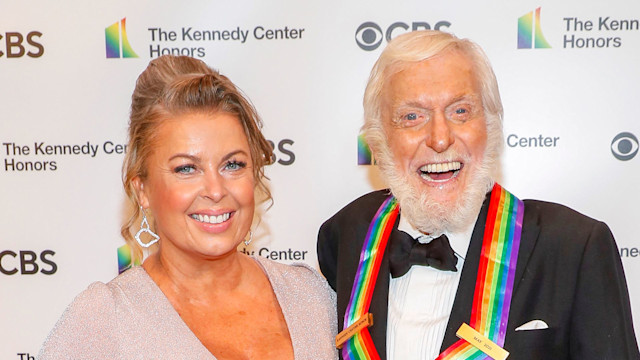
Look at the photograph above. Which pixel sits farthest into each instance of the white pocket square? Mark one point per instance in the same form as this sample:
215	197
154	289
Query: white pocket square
533	325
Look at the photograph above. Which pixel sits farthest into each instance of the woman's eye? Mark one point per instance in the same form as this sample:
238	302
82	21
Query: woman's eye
185	169
235	165
461	111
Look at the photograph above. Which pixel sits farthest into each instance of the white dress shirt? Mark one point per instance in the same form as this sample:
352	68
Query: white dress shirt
420	302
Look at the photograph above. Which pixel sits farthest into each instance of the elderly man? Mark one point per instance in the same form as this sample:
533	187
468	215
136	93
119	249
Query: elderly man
494	274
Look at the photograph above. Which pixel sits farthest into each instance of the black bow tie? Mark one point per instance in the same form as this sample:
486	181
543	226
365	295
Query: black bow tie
405	252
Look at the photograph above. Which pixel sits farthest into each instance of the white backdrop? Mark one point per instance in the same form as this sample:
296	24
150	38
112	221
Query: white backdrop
60	213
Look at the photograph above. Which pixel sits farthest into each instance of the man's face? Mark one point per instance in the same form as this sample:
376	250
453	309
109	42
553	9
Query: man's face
435	126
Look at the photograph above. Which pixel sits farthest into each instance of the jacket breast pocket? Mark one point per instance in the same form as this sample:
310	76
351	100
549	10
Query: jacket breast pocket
538	344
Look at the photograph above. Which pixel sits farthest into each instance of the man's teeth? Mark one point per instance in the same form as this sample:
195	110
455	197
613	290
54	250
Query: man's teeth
212	219
440	168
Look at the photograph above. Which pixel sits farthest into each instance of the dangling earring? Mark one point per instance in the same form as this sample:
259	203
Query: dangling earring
248	241
144	228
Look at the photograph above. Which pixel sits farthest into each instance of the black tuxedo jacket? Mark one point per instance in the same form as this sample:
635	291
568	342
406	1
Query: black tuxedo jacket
568	274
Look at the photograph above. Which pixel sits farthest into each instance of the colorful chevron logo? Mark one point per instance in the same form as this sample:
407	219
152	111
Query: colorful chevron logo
530	33
124	259
364	152
116	41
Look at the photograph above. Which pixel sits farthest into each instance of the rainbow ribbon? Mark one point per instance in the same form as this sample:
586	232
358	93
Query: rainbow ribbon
360	346
496	273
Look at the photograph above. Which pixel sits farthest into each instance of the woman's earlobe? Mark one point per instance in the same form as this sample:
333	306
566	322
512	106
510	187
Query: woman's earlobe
138	185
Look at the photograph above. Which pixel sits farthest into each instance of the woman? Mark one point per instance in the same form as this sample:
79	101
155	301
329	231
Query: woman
194	158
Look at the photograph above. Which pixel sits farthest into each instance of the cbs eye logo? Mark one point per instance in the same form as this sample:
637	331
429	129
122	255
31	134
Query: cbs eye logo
369	35
624	146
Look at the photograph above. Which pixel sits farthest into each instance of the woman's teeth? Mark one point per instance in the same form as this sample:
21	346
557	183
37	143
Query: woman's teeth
213	219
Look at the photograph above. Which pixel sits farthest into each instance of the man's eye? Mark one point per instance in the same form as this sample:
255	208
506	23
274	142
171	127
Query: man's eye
463	113
411	116
185	169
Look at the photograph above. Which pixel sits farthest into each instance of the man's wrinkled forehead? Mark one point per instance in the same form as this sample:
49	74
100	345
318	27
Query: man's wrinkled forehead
399	66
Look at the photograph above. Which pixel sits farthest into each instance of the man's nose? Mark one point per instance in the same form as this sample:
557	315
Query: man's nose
439	136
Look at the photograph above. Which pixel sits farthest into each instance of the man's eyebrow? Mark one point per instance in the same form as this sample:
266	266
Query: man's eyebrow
472	97
412	104
422	105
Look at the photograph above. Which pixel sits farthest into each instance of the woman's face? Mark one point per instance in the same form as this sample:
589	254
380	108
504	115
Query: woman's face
199	185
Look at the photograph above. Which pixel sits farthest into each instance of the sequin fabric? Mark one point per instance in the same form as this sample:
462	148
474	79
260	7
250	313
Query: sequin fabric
130	318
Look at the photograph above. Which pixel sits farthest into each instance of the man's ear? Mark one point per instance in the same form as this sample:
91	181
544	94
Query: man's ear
374	152
138	185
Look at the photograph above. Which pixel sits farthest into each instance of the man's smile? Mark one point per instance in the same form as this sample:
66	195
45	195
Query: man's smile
440	172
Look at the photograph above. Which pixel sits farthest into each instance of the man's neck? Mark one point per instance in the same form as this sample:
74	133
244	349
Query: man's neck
459	240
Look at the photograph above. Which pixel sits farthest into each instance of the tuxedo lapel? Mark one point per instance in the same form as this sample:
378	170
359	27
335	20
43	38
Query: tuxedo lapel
380	300
461	311
380	297
530	231
379	307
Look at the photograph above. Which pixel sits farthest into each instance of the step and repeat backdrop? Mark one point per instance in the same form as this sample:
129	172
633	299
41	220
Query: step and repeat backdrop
568	73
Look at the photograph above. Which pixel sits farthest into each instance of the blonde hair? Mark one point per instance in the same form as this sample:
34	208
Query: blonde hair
418	46
175	85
